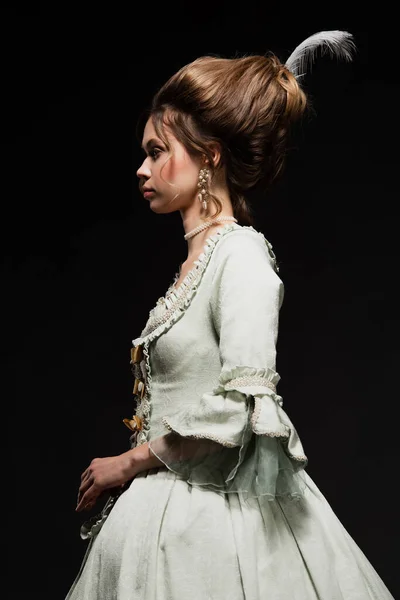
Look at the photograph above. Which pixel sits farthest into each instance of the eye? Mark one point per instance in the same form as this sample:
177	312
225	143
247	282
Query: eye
154	152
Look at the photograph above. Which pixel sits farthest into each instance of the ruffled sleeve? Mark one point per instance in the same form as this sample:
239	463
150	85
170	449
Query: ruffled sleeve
238	438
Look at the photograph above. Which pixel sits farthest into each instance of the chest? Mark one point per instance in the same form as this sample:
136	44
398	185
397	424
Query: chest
188	347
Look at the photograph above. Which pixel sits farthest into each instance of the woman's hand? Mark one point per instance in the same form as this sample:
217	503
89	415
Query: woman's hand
103	474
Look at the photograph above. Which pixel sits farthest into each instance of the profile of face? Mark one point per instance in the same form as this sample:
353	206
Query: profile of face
172	174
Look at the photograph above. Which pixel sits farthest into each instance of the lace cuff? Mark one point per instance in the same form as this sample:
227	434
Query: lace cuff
268	417
237	439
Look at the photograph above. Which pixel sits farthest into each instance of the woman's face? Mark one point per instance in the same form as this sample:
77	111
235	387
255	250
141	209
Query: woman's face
172	175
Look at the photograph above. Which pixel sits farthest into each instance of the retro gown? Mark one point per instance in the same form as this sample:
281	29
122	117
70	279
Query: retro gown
233	515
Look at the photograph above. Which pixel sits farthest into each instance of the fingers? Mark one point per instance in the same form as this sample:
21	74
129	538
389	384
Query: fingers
90	489
86	473
85	485
88	500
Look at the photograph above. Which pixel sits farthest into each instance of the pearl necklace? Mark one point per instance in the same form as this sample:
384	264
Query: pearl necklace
203	226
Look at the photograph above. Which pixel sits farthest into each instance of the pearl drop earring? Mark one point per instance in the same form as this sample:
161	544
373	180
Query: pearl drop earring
203	185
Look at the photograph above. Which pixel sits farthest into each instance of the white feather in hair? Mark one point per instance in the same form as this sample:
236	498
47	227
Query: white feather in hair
338	43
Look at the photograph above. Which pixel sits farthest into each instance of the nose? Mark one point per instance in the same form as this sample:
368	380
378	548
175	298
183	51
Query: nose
144	170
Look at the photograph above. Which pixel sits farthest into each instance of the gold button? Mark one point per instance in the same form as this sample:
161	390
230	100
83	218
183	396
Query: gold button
136	354
133	424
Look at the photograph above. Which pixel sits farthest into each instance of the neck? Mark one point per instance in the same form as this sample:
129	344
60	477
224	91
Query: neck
193	216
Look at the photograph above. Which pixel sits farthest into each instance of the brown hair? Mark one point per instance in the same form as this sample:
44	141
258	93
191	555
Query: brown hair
245	104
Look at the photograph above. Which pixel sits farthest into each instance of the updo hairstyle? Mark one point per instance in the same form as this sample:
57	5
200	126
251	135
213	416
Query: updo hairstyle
246	104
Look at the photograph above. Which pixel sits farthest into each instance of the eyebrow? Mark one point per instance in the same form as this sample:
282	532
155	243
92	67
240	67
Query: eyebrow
151	141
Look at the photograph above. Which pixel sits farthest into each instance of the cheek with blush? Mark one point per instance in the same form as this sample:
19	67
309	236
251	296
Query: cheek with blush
179	175
186	175
168	170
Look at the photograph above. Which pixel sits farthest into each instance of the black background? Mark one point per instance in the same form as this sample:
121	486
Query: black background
85	259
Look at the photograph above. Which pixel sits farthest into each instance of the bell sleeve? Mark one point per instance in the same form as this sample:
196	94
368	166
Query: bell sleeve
238	438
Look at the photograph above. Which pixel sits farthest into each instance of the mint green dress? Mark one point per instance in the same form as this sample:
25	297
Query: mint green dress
233	514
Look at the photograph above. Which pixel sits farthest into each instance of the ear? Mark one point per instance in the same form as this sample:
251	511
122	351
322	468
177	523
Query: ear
215	149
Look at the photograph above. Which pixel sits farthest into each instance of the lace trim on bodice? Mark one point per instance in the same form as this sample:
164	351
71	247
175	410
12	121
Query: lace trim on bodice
170	308
174	303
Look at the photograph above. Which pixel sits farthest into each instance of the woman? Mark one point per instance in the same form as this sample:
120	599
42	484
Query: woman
213	500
